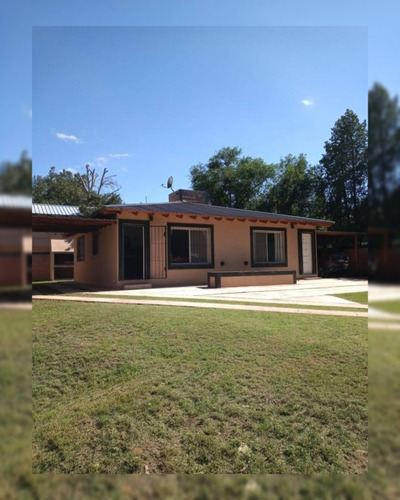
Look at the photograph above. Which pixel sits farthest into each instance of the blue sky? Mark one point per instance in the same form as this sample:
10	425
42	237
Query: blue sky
151	102
274	89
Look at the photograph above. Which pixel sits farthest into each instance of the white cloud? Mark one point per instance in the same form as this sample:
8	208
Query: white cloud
118	156
72	170
123	169
27	111
306	102
101	161
68	138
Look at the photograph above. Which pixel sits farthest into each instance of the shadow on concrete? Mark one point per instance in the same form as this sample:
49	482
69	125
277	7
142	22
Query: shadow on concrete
61	287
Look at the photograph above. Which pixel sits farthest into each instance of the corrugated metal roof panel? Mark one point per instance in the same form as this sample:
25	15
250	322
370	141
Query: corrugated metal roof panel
182	207
18	202
60	210
179	207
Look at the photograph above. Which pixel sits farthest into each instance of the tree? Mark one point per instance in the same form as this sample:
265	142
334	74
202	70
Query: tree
16	178
344	168
232	180
383	157
88	191
297	189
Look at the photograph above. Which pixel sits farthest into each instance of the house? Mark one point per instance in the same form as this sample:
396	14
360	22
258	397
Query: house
15	240
52	257
184	242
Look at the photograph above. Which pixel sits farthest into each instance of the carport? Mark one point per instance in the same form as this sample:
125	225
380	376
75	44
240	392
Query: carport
63	222
353	243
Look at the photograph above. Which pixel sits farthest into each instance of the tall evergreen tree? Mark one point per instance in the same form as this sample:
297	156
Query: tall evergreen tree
344	168
383	157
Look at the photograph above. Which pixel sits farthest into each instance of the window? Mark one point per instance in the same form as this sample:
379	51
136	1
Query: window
80	254
190	246
268	247
64	259
95	242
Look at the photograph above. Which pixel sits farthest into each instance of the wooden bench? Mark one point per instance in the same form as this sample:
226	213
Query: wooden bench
221	279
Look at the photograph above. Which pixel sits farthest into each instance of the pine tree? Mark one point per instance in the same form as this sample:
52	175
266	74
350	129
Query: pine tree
344	168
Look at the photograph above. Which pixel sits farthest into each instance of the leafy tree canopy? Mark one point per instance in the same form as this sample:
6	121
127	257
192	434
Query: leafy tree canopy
297	189
89	191
16	178
232	180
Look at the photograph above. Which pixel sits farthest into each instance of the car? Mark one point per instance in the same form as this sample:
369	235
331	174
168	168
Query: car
332	262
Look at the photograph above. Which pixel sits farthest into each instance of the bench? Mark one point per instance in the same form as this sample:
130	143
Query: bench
221	279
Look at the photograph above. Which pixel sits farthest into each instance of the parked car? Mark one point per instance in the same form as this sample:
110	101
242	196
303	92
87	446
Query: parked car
332	262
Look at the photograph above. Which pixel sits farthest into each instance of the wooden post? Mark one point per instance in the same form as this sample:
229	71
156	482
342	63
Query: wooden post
356	265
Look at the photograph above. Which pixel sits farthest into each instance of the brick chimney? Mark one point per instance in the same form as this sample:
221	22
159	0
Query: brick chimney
189	196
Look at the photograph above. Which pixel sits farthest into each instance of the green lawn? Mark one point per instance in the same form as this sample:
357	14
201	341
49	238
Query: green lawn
360	297
384	408
16	482
390	306
15	403
125	389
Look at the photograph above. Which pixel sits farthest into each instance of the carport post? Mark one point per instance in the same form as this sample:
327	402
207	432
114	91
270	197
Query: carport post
356	253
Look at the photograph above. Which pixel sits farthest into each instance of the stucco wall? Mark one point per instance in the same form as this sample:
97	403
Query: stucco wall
231	245
101	269
41	267
15	247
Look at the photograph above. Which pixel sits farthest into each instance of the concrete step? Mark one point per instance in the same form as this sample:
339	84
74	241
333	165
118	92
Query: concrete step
136	286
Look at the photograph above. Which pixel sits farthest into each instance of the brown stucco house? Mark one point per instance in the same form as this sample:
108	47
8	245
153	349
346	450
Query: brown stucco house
15	240
184	242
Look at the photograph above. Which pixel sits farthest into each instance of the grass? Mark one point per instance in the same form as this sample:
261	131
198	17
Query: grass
16	293
15	403
217	301
360	297
384	408
125	389
17	482
390	306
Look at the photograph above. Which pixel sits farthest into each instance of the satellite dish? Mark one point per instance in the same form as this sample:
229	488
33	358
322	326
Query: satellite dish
169	183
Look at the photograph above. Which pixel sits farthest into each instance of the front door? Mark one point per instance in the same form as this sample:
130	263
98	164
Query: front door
132	252
307	252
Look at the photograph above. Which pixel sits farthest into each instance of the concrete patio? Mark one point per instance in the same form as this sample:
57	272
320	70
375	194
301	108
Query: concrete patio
312	292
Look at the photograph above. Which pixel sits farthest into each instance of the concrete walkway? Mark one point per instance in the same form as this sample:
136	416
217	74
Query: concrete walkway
206	305
309	292
378	319
16	306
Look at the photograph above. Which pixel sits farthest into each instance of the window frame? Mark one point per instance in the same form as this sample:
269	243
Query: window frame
80	248
196	265
283	231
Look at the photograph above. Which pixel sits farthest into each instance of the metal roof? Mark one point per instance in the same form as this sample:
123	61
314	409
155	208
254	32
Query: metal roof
60	210
179	207
17	202
183	207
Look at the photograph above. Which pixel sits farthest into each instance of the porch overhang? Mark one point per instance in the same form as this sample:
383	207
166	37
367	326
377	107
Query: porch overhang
10	218
69	225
